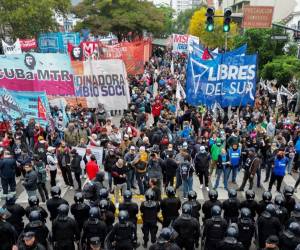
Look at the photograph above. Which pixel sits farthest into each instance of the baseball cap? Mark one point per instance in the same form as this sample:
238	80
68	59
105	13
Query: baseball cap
4	213
185	145
95	241
272	239
132	147
28	235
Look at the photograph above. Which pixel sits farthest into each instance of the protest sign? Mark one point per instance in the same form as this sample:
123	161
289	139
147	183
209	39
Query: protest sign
103	81
24	105
97	151
11	49
56	42
180	43
229	81
37	72
28	44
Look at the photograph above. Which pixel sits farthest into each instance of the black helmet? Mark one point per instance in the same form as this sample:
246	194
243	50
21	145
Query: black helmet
165	235
10	199
267	196
100	176
213	195
271	209
294	227
94	213
245	213
149	195
192	195
279	200
186	209
103	204
103	194
88	190
232	231
216	210
123	216
232	193
250	195
63	210
55	191
35	215
288	191
127	195
33	201
78	197
170	191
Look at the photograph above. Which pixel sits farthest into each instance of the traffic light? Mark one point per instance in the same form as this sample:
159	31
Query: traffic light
210	12
227	20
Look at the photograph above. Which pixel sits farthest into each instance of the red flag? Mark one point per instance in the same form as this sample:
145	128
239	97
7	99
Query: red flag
41	110
206	55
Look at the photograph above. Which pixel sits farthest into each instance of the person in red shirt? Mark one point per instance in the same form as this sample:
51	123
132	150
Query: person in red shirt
92	168
156	109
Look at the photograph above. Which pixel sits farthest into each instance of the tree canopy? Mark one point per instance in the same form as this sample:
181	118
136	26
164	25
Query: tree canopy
213	39
259	41
23	19
283	69
181	23
120	16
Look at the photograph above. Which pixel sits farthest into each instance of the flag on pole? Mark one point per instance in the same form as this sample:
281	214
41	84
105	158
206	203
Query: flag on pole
206	55
172	67
42	113
180	95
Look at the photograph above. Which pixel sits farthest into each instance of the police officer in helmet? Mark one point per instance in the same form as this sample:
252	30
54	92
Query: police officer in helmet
188	229
214	229
123	234
207	206
231	242
55	202
246	227
290	238
231	207
170	206
165	240
33	202
196	206
250	203
80	210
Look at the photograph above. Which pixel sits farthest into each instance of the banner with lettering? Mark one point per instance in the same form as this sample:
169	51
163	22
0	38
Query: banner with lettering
11	49
51	73
227	80
102	81
28	44
24	105
180	43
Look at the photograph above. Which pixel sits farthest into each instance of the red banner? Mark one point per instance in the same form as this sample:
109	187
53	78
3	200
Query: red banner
42	113
28	44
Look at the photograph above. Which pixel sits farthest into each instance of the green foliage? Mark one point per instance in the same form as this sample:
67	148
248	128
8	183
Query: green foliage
292	49
283	69
26	18
259	41
181	23
121	16
168	13
213	39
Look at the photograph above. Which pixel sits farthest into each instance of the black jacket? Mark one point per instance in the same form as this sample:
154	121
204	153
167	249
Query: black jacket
16	218
30	181
69	228
53	204
75	164
8	167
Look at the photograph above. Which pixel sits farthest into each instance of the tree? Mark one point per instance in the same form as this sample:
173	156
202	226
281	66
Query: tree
24	19
283	69
119	17
211	39
181	23
167	21
259	41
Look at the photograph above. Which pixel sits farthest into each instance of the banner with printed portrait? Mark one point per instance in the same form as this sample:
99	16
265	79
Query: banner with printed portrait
51	73
102	82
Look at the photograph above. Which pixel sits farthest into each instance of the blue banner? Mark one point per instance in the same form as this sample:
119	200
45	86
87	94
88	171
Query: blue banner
56	42
227	80
23	104
198	50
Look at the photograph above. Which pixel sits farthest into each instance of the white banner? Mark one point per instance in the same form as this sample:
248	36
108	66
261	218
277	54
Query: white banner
180	43
191	41
97	151
12	49
104	82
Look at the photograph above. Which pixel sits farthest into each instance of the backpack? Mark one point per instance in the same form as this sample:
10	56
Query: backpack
41	172
141	166
185	168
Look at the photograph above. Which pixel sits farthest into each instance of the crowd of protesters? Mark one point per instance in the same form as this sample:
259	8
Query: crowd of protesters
161	145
